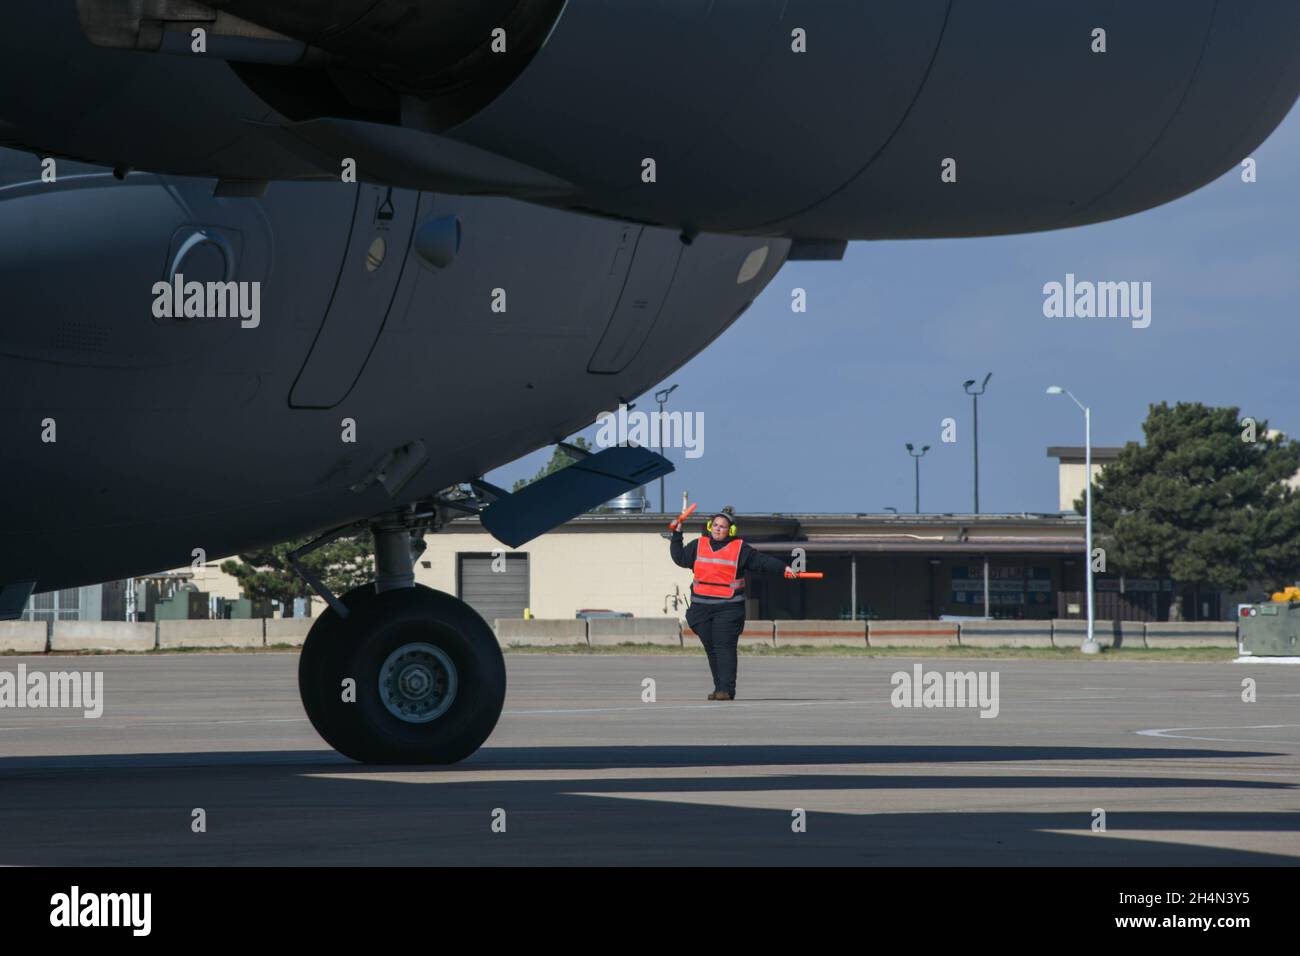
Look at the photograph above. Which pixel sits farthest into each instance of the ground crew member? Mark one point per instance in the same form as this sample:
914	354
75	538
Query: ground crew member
719	561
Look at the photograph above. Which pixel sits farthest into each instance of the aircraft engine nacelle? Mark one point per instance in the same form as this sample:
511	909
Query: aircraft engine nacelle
810	119
360	56
894	118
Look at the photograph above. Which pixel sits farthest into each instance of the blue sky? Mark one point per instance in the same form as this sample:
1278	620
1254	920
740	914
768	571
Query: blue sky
819	405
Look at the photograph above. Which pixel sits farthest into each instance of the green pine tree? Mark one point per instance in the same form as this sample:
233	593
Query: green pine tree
1205	502
559	459
266	573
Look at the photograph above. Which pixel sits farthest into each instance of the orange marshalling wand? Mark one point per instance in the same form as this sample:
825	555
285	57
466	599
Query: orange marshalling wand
674	525
816	575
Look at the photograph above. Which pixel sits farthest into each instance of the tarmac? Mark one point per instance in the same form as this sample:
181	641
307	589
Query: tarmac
582	770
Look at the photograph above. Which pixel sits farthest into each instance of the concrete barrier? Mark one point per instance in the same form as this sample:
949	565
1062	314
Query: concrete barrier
103	636
560	632
245	632
821	633
1188	634
755	633
912	634
27	637
286	630
606	631
1006	633
1121	634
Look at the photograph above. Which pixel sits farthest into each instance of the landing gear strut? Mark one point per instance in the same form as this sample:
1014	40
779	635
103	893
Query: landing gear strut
396	672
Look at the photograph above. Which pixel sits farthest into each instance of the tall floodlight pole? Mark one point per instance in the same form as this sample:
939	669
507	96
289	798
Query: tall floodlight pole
1090	645
917	456
975	399
661	397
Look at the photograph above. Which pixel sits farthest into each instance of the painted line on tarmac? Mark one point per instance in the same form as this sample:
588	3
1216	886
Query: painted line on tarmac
722	705
739	704
97	722
1171	733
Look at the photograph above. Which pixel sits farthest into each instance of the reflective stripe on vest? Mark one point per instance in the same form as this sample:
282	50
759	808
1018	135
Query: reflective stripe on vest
715	572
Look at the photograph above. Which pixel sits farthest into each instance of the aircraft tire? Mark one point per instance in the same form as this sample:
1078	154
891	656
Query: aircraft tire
428	679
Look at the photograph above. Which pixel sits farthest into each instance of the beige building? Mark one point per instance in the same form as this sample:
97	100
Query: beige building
876	566
879	566
593	562
1070	480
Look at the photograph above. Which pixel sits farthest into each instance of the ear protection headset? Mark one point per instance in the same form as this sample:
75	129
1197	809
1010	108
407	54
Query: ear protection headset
708	525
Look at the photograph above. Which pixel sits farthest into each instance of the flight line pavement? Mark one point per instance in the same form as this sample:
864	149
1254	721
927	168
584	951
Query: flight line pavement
582	770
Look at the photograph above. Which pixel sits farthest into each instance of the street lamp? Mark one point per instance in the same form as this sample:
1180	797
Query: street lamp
1090	645
975	400
917	456
661	397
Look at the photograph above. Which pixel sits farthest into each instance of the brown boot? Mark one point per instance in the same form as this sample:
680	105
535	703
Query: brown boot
721	695
713	695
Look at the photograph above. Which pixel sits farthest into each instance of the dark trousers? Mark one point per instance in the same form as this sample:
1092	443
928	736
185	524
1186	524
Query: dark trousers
719	627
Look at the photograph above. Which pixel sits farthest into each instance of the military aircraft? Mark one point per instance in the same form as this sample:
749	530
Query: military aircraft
280	267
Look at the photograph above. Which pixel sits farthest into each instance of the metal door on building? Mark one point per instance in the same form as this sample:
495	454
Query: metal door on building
494	585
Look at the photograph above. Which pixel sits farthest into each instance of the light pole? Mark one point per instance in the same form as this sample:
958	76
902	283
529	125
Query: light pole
1090	645
917	458
975	399
661	397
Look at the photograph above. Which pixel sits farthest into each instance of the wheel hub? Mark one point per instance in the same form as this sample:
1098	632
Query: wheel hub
418	683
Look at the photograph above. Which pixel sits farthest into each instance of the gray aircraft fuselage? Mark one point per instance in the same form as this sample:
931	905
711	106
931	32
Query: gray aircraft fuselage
572	288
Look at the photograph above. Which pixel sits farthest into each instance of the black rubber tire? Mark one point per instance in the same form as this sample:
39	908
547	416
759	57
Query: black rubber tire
356	647
326	641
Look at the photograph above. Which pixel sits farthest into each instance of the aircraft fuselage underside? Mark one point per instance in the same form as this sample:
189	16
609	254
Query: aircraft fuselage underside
132	438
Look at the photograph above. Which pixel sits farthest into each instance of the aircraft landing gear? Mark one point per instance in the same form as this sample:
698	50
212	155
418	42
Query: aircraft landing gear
409	675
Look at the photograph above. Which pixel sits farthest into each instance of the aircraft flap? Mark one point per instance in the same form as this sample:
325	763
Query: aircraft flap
13	598
567	493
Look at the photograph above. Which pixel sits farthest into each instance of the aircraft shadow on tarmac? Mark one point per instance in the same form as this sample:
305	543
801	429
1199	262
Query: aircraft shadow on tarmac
310	807
743	755
645	757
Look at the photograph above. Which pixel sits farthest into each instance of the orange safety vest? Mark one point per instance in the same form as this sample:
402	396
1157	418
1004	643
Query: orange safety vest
715	572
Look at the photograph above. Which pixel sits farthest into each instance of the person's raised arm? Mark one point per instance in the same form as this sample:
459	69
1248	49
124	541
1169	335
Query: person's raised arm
752	559
683	555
